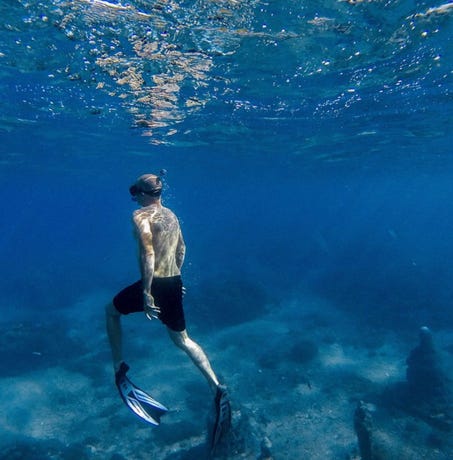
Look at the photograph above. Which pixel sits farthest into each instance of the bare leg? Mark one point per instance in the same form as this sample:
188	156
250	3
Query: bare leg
196	354
113	325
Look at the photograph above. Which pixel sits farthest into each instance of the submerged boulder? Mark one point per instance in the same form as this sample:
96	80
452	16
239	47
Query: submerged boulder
426	392
426	379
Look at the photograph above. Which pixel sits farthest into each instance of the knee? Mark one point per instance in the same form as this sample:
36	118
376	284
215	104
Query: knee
180	340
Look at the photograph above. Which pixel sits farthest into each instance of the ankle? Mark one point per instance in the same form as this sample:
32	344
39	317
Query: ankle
117	366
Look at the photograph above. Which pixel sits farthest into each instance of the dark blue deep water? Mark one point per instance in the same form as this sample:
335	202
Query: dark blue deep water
309	155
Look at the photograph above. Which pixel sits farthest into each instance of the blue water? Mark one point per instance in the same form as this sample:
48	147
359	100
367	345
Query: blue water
308	150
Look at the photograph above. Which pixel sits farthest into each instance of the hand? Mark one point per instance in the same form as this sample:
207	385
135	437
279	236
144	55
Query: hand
151	311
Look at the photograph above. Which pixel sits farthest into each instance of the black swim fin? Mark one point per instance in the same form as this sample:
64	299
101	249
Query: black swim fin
223	416
138	401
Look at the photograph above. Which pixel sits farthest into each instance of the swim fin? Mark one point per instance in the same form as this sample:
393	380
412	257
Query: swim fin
138	401
223	416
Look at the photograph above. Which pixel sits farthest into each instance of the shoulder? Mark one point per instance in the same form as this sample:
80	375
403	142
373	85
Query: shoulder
168	212
138	215
145	213
141	219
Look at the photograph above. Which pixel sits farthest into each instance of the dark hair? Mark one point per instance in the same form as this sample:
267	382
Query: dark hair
149	184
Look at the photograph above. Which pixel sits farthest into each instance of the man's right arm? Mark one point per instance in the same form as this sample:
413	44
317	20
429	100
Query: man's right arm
147	260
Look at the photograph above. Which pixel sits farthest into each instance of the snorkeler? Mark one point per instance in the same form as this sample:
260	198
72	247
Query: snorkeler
159	295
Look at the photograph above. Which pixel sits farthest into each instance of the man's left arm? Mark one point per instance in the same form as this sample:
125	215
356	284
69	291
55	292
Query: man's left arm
180	251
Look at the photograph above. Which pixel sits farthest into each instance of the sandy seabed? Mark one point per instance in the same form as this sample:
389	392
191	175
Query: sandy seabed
295	376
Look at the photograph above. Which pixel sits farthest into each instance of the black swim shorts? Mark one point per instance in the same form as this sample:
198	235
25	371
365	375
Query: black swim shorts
167	293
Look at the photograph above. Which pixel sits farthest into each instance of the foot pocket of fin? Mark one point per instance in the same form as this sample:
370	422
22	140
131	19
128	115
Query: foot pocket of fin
223	416
138	401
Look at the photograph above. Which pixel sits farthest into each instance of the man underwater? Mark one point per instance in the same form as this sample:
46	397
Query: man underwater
159	292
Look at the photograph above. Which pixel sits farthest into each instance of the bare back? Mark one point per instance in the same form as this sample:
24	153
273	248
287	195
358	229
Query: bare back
159	234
